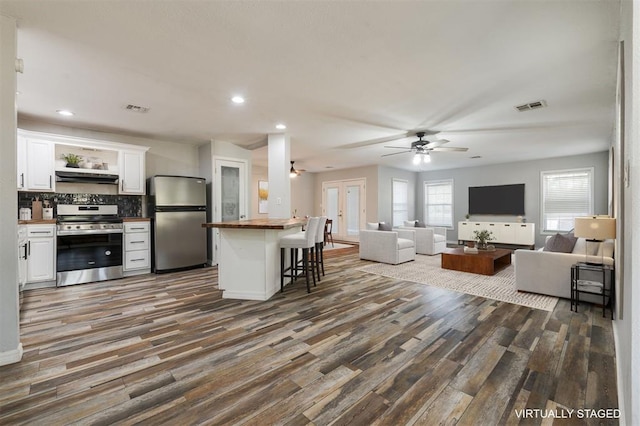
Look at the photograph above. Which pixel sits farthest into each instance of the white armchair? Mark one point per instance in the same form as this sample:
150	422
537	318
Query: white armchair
429	241
392	247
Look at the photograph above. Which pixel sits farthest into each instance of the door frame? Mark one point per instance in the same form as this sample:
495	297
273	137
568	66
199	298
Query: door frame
215	198
342	184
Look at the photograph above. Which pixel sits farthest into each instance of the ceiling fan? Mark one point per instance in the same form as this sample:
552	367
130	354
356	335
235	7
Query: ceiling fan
422	148
293	172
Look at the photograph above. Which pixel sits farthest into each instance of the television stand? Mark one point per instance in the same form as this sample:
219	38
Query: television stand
512	233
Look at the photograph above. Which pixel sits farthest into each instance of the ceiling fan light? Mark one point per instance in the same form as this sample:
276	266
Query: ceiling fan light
416	159
426	158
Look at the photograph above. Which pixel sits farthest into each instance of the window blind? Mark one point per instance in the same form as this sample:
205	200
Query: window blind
438	203
566	194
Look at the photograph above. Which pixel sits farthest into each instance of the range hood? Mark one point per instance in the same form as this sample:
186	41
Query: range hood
86	177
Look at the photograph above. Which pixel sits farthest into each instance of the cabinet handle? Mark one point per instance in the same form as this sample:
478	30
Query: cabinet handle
135	229
21	180
137	260
50	182
25	251
137	242
122	185
40	232
29	251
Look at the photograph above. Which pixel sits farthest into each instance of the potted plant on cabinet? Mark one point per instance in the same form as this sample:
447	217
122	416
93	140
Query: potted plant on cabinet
72	160
482	237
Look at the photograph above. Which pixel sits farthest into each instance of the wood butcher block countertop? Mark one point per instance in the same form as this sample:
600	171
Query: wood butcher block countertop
37	222
258	224
136	219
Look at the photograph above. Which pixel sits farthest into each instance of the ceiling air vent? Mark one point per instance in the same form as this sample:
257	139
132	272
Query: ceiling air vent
136	108
531	105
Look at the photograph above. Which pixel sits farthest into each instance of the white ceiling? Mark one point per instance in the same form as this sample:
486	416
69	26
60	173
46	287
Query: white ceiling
340	74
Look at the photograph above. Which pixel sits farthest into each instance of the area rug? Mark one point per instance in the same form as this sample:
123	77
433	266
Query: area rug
427	270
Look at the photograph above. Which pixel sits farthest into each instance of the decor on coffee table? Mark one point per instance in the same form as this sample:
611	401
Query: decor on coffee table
482	236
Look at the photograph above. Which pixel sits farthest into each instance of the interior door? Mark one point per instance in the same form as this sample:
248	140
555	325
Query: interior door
230	197
344	202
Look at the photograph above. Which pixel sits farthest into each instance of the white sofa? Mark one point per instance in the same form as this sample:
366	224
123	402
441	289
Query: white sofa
432	240
549	273
392	247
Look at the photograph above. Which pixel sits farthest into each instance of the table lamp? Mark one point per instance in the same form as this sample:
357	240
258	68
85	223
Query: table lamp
595	229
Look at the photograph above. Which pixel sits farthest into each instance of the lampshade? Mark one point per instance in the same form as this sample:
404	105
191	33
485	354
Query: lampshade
595	227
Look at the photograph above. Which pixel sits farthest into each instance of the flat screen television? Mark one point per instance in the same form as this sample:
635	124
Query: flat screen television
499	199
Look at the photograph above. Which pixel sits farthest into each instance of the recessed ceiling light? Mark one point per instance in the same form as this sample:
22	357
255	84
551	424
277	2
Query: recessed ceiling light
65	112
280	126
237	99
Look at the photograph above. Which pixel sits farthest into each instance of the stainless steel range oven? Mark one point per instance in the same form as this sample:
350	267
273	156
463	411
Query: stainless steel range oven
89	244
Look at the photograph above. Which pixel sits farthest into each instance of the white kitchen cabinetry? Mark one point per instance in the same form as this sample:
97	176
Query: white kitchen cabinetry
38	154
41	253
40	170
22	256
137	253
21	164
523	234
132	172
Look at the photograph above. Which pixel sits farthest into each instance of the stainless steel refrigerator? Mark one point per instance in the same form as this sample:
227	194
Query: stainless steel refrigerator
178	207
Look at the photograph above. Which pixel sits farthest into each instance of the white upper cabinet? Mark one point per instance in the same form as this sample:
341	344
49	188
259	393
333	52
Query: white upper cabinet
40	174
39	156
21	164
132	174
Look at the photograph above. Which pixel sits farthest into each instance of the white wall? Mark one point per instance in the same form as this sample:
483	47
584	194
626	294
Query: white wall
303	195
10	346
627	329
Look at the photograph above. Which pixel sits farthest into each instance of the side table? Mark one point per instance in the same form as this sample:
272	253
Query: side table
580	286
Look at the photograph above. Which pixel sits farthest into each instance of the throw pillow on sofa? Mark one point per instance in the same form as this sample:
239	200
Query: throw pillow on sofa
384	226
420	224
560	243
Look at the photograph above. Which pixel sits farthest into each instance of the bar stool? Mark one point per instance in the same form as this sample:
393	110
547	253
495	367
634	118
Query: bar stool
319	252
327	232
301	240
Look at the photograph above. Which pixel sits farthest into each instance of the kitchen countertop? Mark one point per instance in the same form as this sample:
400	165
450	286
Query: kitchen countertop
38	222
257	224
136	219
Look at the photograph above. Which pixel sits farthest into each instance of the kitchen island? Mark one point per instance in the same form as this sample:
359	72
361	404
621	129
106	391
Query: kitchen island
249	256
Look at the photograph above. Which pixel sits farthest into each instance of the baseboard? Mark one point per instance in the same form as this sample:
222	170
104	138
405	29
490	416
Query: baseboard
619	376
11	357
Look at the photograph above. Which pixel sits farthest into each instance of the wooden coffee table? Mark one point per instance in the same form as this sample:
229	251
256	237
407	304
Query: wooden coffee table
483	262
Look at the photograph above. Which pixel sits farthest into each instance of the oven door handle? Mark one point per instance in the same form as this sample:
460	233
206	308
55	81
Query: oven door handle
63	233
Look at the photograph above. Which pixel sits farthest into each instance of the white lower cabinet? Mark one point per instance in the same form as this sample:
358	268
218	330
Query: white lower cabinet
41	253
137	253
503	232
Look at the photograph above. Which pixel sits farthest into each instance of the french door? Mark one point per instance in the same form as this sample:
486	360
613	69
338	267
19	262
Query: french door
230	195
344	202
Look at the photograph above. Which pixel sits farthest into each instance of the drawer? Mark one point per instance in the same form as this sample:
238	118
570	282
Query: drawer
41	231
136	259
136	241
131	227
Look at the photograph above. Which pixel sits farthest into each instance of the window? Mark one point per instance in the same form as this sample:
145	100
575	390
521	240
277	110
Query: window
400	201
566	194
438	203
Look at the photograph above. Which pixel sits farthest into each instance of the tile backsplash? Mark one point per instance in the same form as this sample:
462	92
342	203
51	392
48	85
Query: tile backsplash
128	205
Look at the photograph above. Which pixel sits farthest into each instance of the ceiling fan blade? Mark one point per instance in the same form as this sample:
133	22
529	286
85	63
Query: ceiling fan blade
395	153
373	141
434	144
397	147
449	148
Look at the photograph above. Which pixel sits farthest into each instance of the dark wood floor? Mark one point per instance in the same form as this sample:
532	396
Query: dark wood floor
360	349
